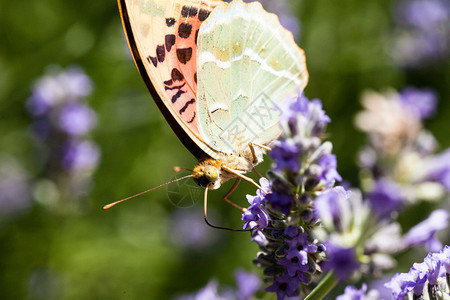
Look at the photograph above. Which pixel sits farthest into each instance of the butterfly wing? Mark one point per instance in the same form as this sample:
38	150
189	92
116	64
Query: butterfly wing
162	35
247	63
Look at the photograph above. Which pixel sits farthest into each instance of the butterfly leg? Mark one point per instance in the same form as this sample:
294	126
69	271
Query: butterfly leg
255	159
243	177
252	149
225	197
257	172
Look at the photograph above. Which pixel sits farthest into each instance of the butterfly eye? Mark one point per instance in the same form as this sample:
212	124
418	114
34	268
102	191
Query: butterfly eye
211	173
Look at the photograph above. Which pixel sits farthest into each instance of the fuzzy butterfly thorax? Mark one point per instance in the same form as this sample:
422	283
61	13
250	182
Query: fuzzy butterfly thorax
208	173
211	173
217	72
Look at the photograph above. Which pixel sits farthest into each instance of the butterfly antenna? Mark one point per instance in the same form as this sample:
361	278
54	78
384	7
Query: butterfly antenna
205	206
177	169
108	206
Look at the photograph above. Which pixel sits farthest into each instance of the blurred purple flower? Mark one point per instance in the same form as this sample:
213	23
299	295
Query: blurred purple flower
188	230
76	119
385	197
62	118
424	232
426	144
328	205
247	284
341	260
439	169
421	102
57	87
80	156
61	122
41	129
210	291
352	293
14	188
291	23
424	14
423	31
367	158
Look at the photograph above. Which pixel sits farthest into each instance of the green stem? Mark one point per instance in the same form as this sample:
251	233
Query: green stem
324	287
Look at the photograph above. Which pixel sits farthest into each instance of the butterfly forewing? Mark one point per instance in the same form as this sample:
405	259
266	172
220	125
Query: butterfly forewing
247	63
216	71
162	35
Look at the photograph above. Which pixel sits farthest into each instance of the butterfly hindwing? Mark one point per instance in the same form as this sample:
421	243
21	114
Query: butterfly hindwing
247	63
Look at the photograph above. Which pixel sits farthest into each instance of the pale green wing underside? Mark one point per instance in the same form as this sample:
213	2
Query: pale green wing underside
247	63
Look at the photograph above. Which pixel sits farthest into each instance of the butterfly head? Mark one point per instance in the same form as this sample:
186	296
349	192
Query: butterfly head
207	174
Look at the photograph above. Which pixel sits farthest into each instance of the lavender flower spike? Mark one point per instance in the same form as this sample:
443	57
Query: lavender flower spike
426	278
303	168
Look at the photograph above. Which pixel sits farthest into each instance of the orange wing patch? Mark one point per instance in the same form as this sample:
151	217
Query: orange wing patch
179	52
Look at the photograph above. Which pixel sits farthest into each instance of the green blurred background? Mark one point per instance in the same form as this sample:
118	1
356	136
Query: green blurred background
133	251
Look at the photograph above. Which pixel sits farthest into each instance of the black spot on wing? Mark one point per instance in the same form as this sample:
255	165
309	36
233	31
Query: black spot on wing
184	55
183	109
168	82
177	87
170	22
184	30
195	77
185	11
203	15
192	120
152	60
170	41
177	95
196	36
160	53
176	75
189	11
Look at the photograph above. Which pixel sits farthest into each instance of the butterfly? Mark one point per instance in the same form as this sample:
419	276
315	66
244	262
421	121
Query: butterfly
217	72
